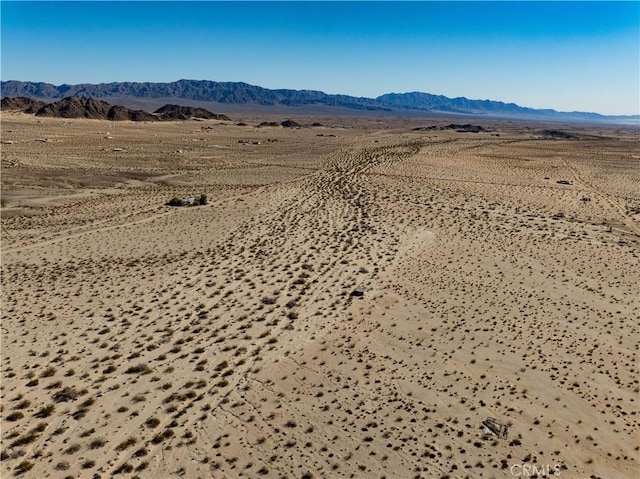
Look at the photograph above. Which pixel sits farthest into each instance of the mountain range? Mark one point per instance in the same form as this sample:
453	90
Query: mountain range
73	107
238	93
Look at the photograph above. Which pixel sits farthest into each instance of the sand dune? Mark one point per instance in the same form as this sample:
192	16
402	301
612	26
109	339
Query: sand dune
353	301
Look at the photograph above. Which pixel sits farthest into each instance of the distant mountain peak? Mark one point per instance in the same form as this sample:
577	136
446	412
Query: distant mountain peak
240	93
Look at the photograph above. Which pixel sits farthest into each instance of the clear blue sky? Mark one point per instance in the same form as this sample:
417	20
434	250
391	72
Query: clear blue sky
564	55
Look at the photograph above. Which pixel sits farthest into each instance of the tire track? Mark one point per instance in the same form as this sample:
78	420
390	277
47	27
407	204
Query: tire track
631	224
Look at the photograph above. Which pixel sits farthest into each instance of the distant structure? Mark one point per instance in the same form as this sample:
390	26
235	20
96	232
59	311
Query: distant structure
495	427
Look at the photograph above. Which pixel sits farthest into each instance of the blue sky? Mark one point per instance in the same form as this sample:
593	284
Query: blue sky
564	55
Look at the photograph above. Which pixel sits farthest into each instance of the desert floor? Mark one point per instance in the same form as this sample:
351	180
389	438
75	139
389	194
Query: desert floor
353	302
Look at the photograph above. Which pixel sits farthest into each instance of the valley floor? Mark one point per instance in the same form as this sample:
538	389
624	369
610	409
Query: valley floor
354	300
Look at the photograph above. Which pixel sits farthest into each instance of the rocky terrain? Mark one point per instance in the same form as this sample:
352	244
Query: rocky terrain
24	104
90	108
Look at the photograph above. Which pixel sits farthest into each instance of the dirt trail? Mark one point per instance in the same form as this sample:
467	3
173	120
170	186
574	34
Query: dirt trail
631	224
325	238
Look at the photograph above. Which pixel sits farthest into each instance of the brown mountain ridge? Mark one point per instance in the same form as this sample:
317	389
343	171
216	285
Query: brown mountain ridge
22	103
72	107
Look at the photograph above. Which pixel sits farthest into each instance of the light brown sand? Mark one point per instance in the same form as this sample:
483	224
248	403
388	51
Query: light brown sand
223	340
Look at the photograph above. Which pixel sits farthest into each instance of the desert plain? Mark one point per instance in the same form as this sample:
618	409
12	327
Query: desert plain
355	299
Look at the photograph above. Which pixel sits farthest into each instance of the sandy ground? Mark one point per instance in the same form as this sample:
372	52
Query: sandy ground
231	340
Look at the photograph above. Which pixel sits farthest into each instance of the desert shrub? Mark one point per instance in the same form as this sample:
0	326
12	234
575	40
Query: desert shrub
158	438
72	449
139	369
97	443
141	452
40	427
62	466
202	200
23	467
14	416
152	422
221	366
123	469
126	443
66	394
175	201
24	404
24	440
50	371
80	413
88	432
